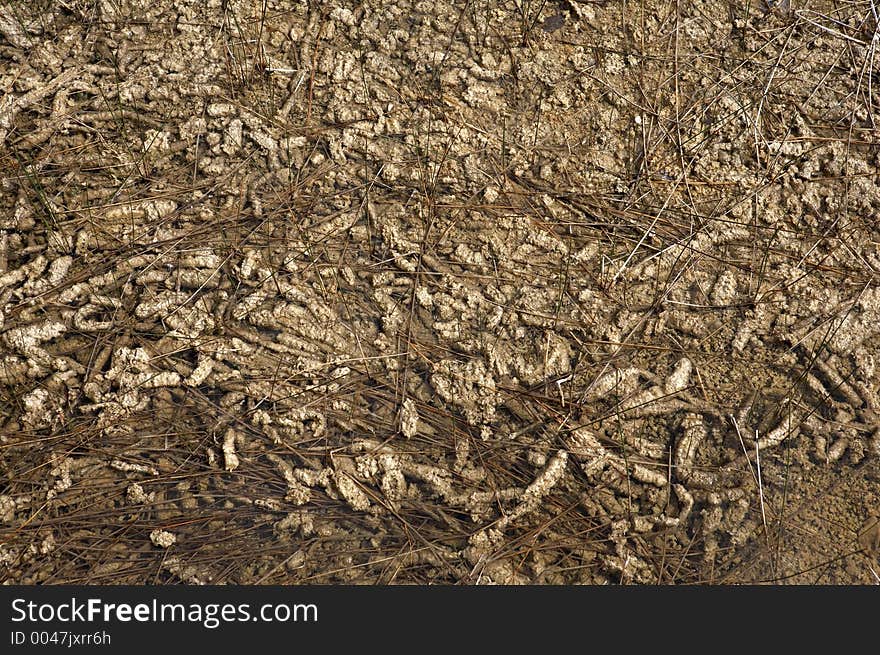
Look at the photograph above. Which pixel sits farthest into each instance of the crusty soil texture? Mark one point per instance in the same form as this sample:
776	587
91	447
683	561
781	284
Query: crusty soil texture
456	292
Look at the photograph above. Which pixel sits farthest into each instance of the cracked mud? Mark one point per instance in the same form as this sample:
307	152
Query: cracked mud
439	292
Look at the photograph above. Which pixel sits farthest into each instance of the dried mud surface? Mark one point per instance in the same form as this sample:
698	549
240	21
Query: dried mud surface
439	292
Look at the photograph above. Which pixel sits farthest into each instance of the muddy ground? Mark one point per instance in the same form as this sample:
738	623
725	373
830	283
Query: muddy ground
439	292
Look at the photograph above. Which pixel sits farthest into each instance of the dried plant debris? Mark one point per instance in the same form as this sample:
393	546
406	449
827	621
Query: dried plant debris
402	292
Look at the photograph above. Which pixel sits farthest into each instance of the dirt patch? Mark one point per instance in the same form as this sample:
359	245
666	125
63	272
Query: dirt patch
471	292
